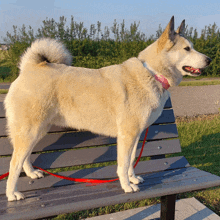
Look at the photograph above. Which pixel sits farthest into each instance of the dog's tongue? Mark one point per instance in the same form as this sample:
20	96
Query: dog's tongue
193	70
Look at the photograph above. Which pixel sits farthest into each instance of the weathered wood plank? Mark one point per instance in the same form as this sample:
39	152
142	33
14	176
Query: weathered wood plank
158	132
2	111
93	155
143	167
59	200
69	140
167	116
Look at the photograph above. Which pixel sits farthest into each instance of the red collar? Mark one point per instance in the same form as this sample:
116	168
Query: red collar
160	78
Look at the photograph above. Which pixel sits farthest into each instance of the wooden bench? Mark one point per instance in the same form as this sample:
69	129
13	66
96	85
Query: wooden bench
49	196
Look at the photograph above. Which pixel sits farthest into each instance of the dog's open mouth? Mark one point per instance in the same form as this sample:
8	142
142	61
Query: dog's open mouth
194	71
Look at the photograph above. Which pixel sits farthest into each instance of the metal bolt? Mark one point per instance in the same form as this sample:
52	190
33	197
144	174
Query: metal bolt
194	180
159	147
42	205
165	163
156	132
31	182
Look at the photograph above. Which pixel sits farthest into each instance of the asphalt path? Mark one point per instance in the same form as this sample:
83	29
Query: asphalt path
186	100
195	100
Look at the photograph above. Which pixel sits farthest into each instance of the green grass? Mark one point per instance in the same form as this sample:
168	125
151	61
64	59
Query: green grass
200	141
3	91
200	83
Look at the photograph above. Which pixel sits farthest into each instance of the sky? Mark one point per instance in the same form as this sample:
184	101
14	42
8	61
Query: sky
150	14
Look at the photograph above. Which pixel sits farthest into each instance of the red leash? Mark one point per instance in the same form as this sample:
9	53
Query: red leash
4	175
86	180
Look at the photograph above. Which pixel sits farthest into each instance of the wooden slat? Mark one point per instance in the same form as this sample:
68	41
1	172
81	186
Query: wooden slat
93	155
98	173
82	139
167	116
168	103
158	132
54	201
2	111
3	132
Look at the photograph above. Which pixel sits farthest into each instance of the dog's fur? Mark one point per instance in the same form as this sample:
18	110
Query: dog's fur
118	101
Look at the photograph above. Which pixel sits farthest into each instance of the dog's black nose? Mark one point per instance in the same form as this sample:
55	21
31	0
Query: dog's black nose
208	60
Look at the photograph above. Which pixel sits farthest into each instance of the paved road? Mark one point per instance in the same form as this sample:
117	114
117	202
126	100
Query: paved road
186	100
195	100
4	85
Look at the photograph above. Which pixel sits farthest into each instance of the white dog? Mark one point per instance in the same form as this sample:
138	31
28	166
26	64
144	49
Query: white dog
118	101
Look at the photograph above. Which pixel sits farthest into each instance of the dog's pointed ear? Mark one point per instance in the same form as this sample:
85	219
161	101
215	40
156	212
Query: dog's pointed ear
167	35
181	28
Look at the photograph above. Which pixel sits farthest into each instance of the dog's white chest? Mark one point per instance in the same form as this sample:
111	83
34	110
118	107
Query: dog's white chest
154	114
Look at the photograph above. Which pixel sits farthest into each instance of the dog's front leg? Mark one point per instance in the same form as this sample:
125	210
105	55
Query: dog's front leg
125	144
132	177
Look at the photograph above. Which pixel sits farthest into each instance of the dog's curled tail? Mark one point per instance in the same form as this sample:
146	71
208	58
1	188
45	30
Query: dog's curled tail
48	50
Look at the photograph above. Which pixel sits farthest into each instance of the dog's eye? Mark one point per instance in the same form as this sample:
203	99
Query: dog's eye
187	48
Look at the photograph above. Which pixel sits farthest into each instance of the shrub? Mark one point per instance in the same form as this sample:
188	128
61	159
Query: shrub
94	48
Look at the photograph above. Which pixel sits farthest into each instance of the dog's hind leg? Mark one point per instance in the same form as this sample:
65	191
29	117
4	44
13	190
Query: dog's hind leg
30	171
23	145
27	166
132	177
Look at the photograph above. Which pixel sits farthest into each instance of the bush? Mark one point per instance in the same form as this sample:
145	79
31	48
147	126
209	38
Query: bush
94	48
12	58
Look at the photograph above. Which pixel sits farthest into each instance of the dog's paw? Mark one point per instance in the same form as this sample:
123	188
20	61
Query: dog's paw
36	174
131	188
136	179
15	196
